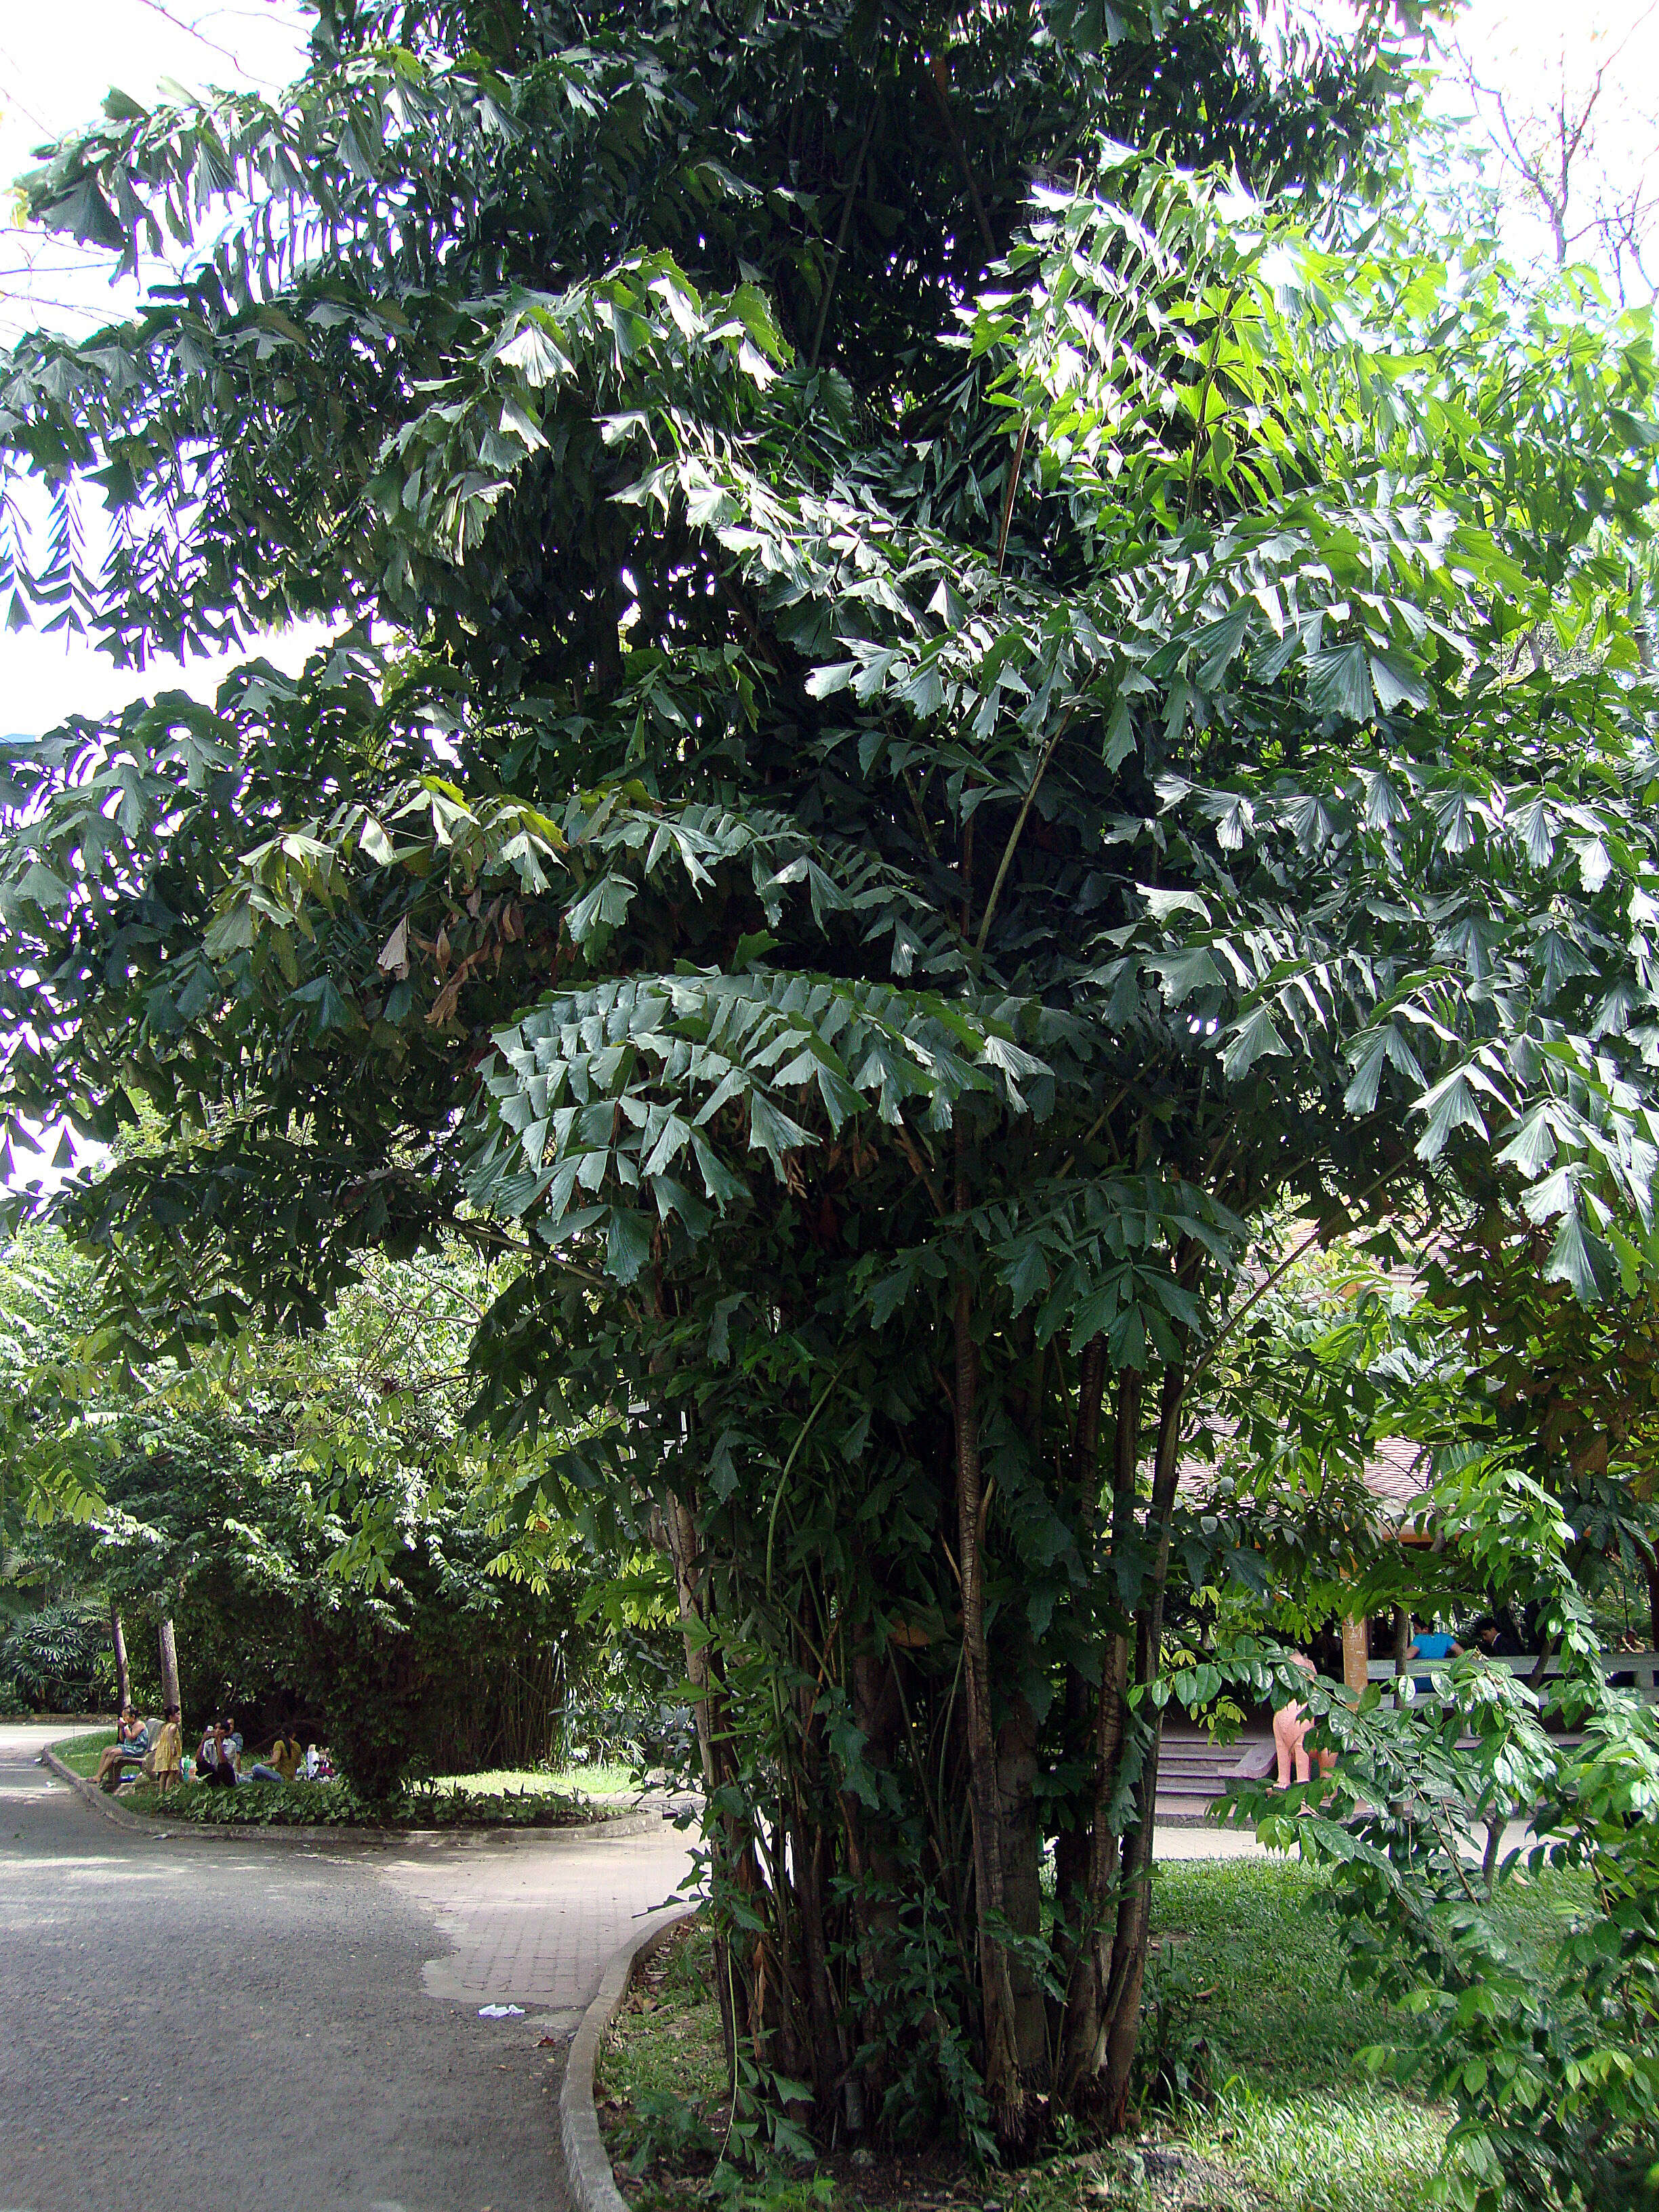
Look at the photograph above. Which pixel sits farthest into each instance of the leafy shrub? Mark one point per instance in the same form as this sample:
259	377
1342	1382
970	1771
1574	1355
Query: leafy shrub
338	1805
1172	2058
610	1732
51	1655
1548	2052
668	2127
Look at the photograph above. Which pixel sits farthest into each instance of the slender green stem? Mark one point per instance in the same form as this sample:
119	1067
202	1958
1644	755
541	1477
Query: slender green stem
806	1428
1006	861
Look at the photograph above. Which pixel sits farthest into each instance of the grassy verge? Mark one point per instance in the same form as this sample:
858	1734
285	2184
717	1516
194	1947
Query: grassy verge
598	1781
1249	2013
80	1753
1248	1996
531	1798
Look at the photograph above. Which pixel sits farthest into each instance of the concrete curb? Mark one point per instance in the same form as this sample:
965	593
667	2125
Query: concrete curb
616	1824
592	2184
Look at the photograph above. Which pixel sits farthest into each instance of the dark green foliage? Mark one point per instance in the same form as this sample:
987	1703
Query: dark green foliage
1546	2050
447	1669
950	749
54	1655
236	1497
338	1805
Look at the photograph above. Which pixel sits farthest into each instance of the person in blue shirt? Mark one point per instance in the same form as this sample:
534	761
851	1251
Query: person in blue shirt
1430	1644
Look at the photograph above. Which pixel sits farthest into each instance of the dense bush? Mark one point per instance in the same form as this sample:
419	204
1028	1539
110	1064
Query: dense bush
308	1518
55	1658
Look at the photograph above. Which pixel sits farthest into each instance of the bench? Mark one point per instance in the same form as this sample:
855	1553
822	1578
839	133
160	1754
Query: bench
1637	1670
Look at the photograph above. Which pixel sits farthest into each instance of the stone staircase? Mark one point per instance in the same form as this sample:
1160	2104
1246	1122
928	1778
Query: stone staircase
1193	1773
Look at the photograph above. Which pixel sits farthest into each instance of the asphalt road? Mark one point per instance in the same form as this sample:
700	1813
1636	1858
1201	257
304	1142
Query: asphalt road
237	2027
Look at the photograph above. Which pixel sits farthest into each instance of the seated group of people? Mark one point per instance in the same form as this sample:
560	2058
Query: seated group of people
143	1747
219	1760
155	1751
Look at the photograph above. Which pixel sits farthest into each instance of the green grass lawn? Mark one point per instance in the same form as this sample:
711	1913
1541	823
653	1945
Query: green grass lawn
1252	1965
1294	2110
665	2048
82	1752
591	1781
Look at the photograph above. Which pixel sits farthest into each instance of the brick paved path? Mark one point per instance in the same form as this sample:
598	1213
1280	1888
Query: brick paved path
536	1926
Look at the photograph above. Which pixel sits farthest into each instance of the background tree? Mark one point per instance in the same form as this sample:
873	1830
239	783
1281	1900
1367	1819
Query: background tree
1575	139
942	758
310	1518
1546	2054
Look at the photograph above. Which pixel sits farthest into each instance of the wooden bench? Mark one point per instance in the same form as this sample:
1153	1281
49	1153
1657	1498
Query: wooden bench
1637	1670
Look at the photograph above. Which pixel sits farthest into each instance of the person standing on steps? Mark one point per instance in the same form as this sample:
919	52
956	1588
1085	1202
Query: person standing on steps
1291	1722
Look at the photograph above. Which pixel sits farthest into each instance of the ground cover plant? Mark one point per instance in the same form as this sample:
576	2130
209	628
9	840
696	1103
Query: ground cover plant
1248	2005
336	1805
530	1797
929	735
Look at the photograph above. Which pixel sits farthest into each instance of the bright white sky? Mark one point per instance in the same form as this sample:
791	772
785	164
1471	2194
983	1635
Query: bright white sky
57	63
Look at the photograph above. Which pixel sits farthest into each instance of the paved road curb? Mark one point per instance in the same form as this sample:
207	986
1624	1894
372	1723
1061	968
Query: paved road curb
592	2184
231	1831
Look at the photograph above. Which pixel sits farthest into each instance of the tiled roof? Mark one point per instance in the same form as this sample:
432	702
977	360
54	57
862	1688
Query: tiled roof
1397	1476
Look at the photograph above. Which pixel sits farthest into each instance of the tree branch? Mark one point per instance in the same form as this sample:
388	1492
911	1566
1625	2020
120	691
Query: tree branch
1019	824
941	83
840	235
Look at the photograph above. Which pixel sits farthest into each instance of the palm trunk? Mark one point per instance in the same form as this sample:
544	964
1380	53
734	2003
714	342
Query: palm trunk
1134	1910
1083	2046
685	1549
1005	2090
876	1875
829	2054
1020	1843
1072	1844
118	1644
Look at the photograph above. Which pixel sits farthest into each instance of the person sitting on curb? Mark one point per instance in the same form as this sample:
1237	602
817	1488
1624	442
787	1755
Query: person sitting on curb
282	1764
131	1744
164	1758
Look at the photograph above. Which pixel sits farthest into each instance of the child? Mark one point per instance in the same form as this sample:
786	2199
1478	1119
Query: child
1290	1725
164	1753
